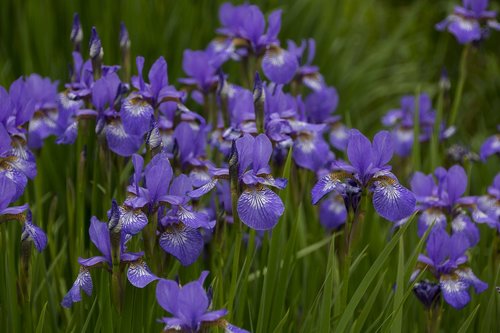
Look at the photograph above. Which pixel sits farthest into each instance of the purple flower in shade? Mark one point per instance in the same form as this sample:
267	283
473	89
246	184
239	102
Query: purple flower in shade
487	208
202	66
441	200
447	261
402	122
245	25
258	207
310	151
332	212
138	273
189	306
307	74
427	292
470	23
368	170
491	146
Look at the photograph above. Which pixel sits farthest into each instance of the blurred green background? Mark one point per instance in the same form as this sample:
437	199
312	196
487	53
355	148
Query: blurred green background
371	51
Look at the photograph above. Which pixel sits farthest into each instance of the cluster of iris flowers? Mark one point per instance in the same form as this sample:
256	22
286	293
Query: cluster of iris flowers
235	139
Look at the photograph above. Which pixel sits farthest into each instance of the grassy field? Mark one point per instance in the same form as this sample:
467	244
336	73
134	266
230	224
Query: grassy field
372	52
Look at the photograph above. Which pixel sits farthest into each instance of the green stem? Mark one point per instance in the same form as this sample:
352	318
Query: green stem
460	87
435	160
116	280
433	319
416	156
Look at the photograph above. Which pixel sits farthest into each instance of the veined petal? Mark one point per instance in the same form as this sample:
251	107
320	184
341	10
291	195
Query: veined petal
260	208
230	328
83	281
429	217
34	233
183	242
139	274
213	315
121	142
92	261
193	219
469	277
132	221
392	201
136	115
203	189
455	291
327	184
279	65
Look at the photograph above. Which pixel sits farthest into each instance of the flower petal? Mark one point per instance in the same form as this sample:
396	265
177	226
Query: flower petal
183	242
167	292
132	221
455	291
279	65
136	115
393	201
359	151
139	274
203	189
83	281
260	208
34	233
121	142
99	235
327	184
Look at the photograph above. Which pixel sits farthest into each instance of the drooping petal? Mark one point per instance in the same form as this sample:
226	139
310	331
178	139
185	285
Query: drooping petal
455	291
139	274
121	142
203	189
430	217
393	201
465	30
136	115
132	221
331	182
192	218
34	233
463	224
260	208
230	328
92	261
183	242
213	315
469	277
332	212
83	281
279	65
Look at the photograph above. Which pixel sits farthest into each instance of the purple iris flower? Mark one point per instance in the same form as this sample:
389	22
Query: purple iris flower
178	227
76	35
368	170
258	207
189	306
470	23
245	25
402	122
202	66
487	208
491	146
138	272
307	74
441	199
105	93
332	212
447	261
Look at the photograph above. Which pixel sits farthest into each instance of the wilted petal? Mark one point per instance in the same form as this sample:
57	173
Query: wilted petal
183	242
455	291
83	281
139	274
392	201
136	115
279	65
260	208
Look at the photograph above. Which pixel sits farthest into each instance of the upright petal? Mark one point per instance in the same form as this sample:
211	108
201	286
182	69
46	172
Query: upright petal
262	150
359	151
158	175
192	304
260	208
183	242
99	235
422	185
382	148
167	293
245	146
456	181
